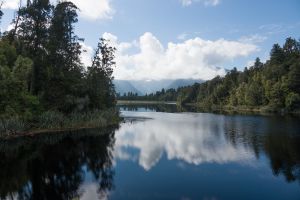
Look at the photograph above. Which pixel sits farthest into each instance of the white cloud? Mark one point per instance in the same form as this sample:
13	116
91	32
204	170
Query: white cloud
11	4
182	36
89	9
86	55
90	190
205	2
194	58
253	39
95	9
272	29
250	63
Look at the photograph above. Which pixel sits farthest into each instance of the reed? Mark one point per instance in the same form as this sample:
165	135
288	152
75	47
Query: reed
54	120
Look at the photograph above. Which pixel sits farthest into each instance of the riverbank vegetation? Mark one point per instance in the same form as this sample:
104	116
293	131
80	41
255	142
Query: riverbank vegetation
273	86
43	82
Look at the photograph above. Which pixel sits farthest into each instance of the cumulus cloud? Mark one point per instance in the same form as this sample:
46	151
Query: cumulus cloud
146	58
95	9
182	36
89	9
10	4
205	2
86	55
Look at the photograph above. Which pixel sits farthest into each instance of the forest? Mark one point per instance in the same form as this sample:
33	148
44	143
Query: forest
42	78
273	86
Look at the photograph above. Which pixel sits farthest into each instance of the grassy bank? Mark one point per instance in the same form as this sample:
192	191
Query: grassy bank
264	110
56	121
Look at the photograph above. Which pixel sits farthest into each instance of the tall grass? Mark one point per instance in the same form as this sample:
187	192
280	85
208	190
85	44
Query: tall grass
53	120
12	126
91	119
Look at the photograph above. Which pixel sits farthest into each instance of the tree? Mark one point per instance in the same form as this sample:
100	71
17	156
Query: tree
258	64
33	32
294	77
22	70
292	101
99	77
291	46
277	54
40	66
65	68
254	94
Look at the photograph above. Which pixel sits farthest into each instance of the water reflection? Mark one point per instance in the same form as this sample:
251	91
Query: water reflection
169	108
197	138
56	166
160	156
192	138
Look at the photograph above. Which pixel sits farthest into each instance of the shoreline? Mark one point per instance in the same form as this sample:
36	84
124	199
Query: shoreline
141	102
244	110
215	108
38	132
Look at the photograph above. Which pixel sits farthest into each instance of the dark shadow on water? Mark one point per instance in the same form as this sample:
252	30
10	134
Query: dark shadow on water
276	137
54	166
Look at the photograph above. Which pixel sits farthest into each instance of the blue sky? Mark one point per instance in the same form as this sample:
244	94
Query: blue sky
183	38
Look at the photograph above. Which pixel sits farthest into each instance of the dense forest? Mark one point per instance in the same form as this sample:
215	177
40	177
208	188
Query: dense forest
270	86
40	68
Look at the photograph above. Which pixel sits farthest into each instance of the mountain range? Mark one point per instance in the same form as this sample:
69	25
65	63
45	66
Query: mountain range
142	87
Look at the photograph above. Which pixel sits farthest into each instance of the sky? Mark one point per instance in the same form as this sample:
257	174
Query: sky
182	39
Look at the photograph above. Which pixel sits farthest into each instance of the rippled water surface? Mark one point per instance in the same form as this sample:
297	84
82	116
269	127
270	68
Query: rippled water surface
158	153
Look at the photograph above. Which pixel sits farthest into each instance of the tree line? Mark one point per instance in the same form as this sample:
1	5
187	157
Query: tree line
270	86
40	65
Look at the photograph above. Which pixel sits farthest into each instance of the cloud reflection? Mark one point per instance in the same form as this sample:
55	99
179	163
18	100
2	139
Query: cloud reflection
192	138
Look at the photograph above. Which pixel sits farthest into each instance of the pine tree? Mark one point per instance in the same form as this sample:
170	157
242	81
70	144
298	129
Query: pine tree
65	68
33	33
100	78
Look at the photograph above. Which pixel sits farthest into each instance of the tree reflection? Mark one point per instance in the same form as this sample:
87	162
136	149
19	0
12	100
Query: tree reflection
284	154
264	137
39	169
169	108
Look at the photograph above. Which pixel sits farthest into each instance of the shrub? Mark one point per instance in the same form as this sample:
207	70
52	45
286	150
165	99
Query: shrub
51	119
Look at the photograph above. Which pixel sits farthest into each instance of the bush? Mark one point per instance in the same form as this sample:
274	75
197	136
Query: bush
12	125
292	101
51	119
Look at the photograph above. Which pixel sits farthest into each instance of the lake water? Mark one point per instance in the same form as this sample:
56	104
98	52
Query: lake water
159	153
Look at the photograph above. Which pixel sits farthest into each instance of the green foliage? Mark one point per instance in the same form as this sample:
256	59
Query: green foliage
254	94
51	119
101	90
41	70
11	126
292	101
294	77
96	118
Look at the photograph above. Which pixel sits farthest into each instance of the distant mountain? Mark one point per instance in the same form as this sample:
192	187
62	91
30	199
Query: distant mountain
150	86
183	82
124	86
143	87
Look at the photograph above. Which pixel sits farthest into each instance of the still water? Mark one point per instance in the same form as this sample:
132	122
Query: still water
159	153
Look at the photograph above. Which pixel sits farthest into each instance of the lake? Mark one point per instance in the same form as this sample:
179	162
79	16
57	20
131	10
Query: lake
159	153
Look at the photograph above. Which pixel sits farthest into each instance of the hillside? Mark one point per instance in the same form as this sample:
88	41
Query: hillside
123	87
